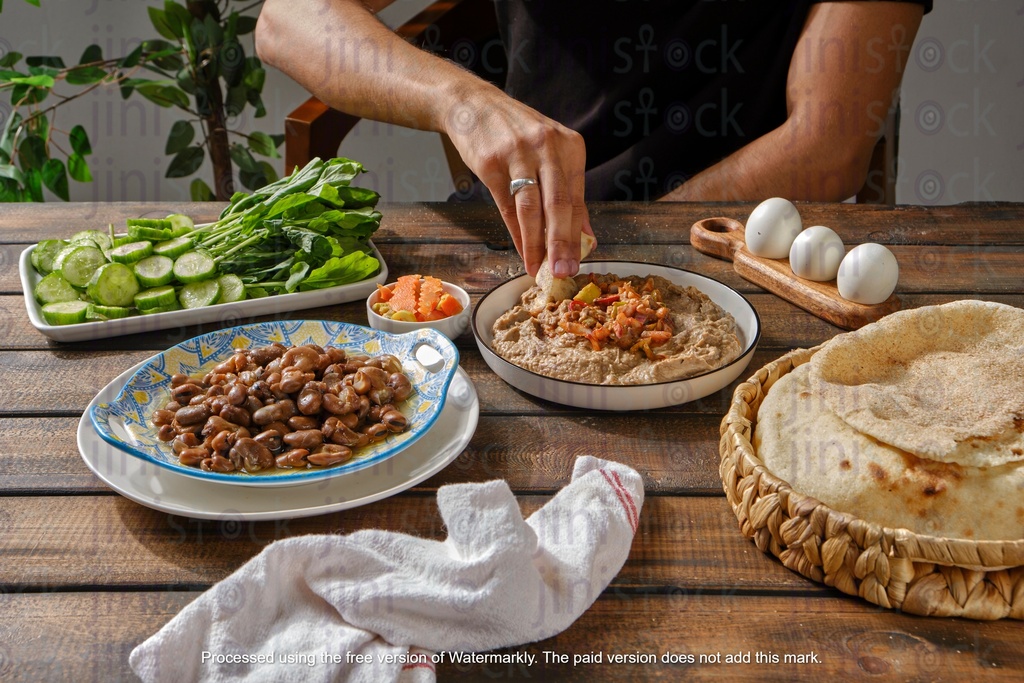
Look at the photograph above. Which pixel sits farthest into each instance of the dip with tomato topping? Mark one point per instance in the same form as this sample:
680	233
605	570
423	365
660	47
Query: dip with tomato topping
618	330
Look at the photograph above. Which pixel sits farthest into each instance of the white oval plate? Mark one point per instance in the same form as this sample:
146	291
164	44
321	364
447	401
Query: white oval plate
164	490
225	314
628	397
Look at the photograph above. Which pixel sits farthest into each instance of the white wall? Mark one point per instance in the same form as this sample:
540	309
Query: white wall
961	138
962	108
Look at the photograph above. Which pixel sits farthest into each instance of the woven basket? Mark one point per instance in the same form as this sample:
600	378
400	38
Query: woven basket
892	568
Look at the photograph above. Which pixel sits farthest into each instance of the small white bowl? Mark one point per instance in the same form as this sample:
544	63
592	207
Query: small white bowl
451	327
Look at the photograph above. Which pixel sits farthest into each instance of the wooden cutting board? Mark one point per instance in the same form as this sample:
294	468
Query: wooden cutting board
724	238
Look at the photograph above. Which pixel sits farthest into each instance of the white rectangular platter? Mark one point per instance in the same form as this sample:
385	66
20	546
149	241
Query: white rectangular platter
227	314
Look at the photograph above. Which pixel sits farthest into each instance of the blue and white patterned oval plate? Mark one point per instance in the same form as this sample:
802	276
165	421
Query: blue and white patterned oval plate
428	358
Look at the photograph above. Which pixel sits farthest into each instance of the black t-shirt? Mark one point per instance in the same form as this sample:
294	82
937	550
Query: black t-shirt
659	89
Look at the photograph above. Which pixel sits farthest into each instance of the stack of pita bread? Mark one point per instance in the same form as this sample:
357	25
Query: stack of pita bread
914	422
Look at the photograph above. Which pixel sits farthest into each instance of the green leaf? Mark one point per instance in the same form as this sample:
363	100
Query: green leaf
268	172
163	54
181	136
79	169
243	159
214	33
11	171
261	143
178	18
11	58
161	24
278	139
255	78
200	191
34	185
37	81
339	271
232	62
44	71
246	24
55	62
235	102
55	177
32	152
132	58
186	162
38	126
252	180
80	141
85	75
93	53
164	93
25	94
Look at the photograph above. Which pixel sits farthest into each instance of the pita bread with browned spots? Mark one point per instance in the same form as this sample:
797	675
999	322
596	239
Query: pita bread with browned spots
803	441
944	383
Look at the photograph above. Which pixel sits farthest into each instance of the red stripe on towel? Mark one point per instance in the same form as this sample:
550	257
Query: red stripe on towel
420	665
623	495
629	499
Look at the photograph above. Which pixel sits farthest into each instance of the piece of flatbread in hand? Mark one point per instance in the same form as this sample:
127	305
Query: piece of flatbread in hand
554	289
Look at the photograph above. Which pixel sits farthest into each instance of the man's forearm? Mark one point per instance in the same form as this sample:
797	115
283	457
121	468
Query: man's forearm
343	55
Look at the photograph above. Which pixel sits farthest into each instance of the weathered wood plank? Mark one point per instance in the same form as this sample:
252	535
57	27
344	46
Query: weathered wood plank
614	222
49	543
40	455
97	631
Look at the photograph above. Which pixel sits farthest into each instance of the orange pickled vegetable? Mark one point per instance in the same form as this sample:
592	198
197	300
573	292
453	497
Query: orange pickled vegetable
405	294
430	295
449	305
384	293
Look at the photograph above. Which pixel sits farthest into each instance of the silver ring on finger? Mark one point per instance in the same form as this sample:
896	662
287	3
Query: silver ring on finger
519	183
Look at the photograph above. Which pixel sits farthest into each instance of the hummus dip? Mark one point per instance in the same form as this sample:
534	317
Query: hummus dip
693	336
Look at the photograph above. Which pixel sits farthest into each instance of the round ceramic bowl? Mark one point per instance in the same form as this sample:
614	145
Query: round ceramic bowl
619	397
450	327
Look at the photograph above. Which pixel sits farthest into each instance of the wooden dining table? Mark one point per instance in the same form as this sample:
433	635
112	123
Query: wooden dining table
86	574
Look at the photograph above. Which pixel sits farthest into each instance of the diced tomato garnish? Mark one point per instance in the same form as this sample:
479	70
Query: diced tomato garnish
606	300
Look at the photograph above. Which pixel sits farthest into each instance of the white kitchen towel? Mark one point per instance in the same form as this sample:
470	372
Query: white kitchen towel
373	605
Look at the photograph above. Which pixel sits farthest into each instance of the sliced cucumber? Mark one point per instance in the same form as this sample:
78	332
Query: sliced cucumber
113	285
66	250
156	229
80	264
158	297
231	289
198	294
101	312
99	238
154	271
173	248
44	253
162	309
65	312
180	224
121	240
194	266
131	252
54	289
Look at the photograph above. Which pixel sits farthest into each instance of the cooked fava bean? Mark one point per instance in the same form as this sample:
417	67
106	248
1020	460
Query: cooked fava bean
275	412
254	455
240	416
299	422
217	463
271	438
329	454
306	438
193	456
190	415
394	421
296	457
312	406
163	417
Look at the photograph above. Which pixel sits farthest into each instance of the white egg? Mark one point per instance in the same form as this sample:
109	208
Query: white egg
816	254
868	274
772	227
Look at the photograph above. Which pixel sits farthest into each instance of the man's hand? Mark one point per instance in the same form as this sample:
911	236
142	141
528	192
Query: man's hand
501	139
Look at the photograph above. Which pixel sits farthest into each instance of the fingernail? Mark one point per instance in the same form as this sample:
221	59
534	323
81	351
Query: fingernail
564	268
